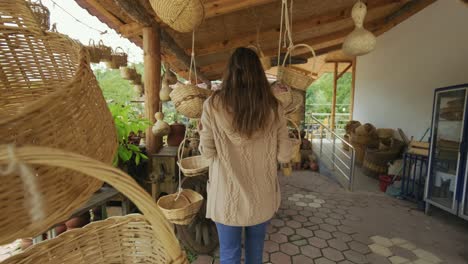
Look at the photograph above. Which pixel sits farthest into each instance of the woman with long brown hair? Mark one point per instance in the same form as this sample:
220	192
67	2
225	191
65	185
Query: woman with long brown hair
243	132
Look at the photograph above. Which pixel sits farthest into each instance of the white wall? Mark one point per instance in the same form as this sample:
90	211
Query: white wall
395	82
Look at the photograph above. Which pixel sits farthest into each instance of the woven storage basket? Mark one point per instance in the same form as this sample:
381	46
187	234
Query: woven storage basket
351	126
41	13
188	99
146	238
127	73
183	209
376	161
118	59
49	97
294	77
136	79
343	145
99	52
361	143
365	130
283	93
191	166
385	133
180	15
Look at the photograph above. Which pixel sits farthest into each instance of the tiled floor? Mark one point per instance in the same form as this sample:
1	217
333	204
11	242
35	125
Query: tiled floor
320	223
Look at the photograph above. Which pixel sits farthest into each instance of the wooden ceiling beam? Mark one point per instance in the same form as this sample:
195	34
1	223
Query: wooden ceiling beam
222	7
141	16
298	27
130	30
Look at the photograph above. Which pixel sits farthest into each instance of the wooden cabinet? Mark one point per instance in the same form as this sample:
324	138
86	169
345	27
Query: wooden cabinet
164	171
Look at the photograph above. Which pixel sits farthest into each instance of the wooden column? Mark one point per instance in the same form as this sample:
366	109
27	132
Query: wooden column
353	88
335	84
152	81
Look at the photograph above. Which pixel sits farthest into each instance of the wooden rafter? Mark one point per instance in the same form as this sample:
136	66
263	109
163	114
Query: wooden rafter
350	64
140	15
222	7
331	16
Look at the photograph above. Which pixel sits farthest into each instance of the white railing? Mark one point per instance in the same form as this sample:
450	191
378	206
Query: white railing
327	145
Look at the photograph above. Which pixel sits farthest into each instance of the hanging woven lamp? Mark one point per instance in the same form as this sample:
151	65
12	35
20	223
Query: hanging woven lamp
180	15
361	41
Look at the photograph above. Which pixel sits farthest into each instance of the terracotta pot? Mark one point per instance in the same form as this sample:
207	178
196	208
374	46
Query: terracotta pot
78	221
60	229
176	135
26	242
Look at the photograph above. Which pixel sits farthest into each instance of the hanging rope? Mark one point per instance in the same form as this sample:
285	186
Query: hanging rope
192	60
286	19
33	196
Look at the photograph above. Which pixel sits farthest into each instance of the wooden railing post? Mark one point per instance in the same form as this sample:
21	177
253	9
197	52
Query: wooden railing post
152	81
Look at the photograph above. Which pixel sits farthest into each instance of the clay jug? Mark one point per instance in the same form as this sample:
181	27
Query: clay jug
160	128
176	135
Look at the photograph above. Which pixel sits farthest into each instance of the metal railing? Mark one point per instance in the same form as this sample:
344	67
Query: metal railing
340	161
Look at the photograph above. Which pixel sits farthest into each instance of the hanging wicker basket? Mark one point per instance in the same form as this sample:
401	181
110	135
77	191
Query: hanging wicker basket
128	73
58	103
191	166
294	77
283	93
130	239
99	52
188	99
136	80
181	15
41	13
181	208
118	59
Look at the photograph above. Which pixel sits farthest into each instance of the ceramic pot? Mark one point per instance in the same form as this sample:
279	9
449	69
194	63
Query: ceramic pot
77	221
176	135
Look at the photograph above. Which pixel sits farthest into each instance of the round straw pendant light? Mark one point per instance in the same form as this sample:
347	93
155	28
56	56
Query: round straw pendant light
181	15
361	41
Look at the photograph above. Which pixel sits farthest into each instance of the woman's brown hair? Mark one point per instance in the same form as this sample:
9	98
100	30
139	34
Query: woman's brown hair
246	93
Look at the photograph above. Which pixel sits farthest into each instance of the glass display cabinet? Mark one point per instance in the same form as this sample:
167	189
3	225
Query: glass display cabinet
446	185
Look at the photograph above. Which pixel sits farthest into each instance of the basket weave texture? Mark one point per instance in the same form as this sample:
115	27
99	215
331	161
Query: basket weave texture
41	13
180	15
49	97
181	211
191	166
129	239
188	99
294	77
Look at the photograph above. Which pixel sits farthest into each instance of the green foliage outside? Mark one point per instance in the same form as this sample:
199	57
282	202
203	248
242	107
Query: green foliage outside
319	98
128	116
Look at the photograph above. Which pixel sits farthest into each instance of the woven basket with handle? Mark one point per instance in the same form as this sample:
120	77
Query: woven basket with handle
118	59
180	15
49	97
191	166
130	239
41	13
294	77
181	209
188	99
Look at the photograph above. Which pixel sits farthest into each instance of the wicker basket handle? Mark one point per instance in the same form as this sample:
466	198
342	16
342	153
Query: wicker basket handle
34	155
314	64
101	43
115	50
91	42
258	50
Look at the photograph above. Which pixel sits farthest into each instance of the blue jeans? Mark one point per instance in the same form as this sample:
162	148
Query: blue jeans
230	243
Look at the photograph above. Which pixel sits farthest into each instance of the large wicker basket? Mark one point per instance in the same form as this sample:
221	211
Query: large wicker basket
294	77
49	97
41	13
127	240
188	99
181	208
118	59
180	15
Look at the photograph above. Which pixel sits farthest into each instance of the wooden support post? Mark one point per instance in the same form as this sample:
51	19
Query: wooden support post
152	81
353	89
335	84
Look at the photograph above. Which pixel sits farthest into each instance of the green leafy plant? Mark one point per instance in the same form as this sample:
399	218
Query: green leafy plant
127	118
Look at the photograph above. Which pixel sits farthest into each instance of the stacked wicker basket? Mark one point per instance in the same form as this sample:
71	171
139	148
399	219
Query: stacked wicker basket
50	98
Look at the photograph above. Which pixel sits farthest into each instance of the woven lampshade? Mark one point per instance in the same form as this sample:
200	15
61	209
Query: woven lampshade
361	41
180	15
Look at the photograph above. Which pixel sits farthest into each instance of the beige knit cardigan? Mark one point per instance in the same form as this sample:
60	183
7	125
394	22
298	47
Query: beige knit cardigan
243	188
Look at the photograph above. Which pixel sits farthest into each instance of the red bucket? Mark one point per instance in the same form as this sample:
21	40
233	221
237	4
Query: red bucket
385	181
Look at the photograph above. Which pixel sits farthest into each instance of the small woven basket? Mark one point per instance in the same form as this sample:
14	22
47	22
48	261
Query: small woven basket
188	99
128	73
130	239
181	208
180	15
118	59
294	77
49	97
136	79
191	166
41	13
99	52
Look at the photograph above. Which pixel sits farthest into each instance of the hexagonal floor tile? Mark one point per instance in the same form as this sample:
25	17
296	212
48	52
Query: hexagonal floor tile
270	246
332	254
304	232
359	247
328	227
293	224
426	255
286	231
355	257
301	259
403	252
380	250
289	249
277	222
383	241
317	242
337	244
342	236
324	261
398	260
311	251
300	218
314	205
323	234
280	258
278	238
